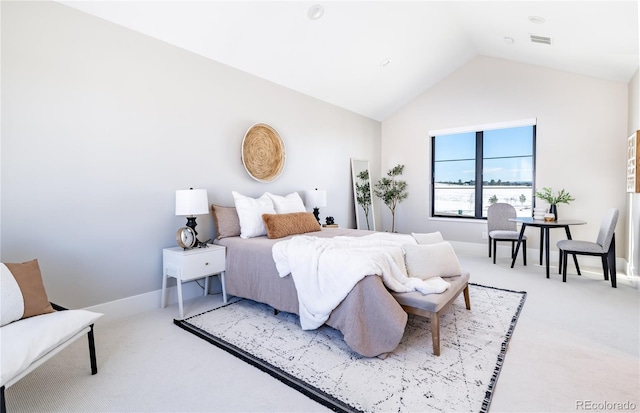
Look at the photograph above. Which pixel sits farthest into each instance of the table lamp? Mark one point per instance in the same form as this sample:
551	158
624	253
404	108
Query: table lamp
191	202
316	199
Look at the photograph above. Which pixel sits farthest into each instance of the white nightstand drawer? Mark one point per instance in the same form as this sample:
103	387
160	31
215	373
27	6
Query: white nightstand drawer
203	264
195	263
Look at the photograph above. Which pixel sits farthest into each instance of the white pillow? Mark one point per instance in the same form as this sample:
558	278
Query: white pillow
432	260
250	212
287	204
430	238
11	299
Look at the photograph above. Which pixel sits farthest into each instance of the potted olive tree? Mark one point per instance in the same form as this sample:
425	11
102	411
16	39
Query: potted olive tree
392	191
363	193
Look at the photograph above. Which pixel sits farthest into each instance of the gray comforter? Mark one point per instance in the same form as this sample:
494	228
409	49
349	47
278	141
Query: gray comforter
370	319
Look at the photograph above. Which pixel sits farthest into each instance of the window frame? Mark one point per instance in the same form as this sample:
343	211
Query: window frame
478	187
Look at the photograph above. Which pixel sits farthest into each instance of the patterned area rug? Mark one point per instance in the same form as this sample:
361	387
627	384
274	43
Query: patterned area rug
319	364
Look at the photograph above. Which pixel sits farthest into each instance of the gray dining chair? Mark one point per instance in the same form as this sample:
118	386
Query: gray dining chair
604	247
499	228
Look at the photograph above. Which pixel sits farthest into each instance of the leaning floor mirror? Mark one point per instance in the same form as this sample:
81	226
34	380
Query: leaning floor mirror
362	194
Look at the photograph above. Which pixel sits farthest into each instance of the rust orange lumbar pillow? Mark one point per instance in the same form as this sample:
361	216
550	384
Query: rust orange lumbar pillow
23	293
283	225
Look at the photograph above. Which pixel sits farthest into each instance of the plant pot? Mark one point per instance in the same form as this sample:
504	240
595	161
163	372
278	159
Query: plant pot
554	210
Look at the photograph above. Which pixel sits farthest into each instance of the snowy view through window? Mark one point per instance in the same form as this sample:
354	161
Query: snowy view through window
506	171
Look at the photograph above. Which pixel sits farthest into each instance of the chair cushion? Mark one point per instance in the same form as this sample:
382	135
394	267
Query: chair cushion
432	302
506	235
580	246
27	340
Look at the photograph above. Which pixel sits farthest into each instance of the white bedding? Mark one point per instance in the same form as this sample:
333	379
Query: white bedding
326	269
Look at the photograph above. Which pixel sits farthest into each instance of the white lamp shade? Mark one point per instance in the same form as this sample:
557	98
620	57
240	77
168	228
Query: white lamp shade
192	202
316	198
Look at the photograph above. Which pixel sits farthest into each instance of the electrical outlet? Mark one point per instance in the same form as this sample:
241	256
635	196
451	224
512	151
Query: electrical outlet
484	235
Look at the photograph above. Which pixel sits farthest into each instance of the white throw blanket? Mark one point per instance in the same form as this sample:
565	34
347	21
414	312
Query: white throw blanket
325	270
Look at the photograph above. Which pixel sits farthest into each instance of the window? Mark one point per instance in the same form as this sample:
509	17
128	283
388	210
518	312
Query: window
474	169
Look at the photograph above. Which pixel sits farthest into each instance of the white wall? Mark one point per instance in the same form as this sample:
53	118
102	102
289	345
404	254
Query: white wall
101	125
581	141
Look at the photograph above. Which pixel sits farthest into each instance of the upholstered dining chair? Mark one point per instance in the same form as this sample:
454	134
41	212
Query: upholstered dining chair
604	247
499	228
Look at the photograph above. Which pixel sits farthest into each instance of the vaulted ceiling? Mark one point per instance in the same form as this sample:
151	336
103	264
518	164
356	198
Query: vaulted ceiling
373	57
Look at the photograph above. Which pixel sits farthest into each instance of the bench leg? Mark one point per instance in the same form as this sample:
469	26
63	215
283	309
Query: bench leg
435	332
92	351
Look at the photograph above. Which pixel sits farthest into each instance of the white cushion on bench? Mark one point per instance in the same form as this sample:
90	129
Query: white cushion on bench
25	341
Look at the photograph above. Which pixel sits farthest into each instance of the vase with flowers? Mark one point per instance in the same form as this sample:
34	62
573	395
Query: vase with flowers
561	197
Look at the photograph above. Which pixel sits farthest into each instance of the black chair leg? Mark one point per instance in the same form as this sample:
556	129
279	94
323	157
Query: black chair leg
489	247
605	266
92	351
611	256
495	252
575	261
564	266
560	262
3	406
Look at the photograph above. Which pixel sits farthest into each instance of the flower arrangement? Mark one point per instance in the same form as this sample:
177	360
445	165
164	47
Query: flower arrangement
562	197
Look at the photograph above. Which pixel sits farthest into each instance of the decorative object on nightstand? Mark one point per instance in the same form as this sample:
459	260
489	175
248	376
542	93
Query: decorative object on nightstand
186	237
329	223
189	265
316	199
190	202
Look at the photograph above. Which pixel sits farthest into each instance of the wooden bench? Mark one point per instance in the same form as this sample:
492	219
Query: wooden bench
432	305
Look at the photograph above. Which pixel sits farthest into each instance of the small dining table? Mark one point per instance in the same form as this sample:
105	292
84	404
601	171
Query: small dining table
544	235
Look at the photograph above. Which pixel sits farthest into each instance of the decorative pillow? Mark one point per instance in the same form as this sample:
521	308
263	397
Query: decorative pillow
287	204
22	292
250	212
432	260
227	222
430	238
282	225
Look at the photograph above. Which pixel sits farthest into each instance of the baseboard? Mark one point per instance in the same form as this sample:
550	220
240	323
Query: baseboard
126	307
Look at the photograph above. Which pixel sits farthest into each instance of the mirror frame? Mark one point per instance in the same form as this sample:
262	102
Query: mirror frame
357	167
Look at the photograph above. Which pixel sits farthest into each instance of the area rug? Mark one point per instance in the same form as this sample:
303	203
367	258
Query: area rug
319	364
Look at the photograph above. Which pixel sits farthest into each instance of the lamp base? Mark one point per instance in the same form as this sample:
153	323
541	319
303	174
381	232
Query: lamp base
191	223
316	213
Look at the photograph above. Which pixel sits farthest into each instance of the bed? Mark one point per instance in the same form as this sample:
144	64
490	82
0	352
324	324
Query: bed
370	318
335	290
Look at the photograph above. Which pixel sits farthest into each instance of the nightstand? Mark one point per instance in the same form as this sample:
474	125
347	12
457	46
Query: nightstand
188	265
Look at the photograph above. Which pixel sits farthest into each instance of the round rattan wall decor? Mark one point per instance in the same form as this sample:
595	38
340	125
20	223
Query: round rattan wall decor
263	153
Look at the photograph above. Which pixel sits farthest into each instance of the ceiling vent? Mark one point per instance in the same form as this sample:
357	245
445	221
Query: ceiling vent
540	39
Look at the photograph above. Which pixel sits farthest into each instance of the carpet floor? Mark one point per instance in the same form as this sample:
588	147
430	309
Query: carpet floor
319	364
